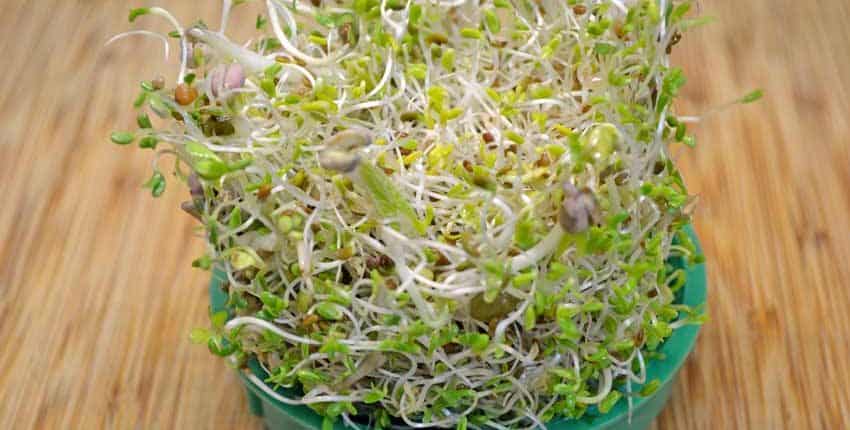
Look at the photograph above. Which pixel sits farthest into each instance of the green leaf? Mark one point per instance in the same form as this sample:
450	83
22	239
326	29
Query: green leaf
273	305
530	318
514	137
556	271
140	100
261	22
541	92
122	138
268	86
329	311
235	219
388	200
597	28
671	84
461	423
417	329
135	13
415	14
332	346
158	106
448	59
205	162
395	4
393	320
318	106
524	236
616	80
524	279
144	121
303	301
454	398
218	319
156	183
242	259
551	46
566	311
623	345
602	48
442	337
752	97
564	389
478	342
492	21
220	347
679	12
399	345
325	20
203	262
200	336
650	388
418	71
592	305
564	316
471	33
609	401
695	316
272	71
239	164
374	396
309	377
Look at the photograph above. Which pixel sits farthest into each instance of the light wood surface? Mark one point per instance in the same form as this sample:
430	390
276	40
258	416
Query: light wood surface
97	295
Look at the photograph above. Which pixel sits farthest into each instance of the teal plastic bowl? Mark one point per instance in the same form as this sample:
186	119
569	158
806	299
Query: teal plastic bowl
280	416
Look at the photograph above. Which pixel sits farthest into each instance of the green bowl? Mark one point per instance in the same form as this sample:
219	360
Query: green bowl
280	416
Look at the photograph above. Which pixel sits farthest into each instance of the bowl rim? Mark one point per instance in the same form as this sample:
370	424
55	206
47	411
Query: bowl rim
676	349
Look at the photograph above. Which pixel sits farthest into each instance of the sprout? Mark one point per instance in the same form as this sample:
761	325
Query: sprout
226	77
338	160
340	150
349	140
185	94
251	61
158	83
122	138
578	210
196	189
190	208
439	214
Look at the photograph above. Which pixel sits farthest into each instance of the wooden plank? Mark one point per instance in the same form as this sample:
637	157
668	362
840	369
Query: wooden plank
97	296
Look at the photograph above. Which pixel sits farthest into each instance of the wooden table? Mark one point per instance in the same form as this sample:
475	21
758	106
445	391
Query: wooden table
97	295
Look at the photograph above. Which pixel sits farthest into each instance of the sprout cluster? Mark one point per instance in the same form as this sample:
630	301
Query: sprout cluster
435	214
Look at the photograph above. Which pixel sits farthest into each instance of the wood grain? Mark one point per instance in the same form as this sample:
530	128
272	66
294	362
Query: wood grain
97	295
